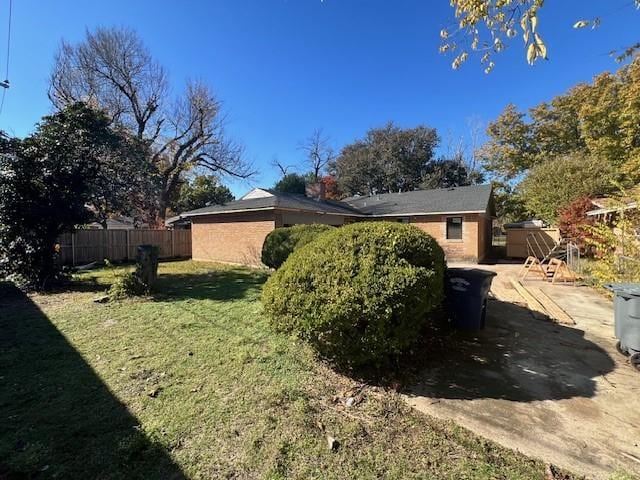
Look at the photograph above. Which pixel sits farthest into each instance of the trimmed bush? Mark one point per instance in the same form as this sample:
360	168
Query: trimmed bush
282	241
361	293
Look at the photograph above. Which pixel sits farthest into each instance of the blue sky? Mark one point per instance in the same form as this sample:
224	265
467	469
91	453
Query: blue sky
286	67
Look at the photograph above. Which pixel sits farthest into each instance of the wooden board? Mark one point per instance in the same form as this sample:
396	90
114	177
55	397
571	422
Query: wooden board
541	305
554	310
534	305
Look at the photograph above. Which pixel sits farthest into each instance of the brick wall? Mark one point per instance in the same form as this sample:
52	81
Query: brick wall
484	236
231	238
466	249
238	238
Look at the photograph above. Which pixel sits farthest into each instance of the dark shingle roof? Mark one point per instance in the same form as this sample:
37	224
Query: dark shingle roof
473	198
278	200
446	200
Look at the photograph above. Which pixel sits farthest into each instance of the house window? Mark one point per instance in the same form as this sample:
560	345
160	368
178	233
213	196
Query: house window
454	228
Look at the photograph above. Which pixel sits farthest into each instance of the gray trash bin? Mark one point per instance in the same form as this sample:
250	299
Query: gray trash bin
627	319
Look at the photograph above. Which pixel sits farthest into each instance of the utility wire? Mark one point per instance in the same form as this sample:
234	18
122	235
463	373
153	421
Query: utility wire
6	75
6	71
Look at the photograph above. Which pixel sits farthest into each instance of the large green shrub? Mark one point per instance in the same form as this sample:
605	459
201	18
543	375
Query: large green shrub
361	293
282	241
46	182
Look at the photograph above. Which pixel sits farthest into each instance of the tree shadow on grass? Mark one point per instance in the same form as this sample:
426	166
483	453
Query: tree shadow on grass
222	285
516	357
59	420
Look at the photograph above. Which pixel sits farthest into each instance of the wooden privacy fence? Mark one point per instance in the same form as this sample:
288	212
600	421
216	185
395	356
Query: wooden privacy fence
85	246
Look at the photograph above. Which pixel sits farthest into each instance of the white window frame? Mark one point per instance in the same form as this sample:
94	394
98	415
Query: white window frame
446	230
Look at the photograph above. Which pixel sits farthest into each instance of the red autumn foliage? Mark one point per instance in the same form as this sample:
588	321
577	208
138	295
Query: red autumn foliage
574	223
331	189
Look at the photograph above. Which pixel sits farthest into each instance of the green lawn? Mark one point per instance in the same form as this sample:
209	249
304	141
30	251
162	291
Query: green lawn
192	383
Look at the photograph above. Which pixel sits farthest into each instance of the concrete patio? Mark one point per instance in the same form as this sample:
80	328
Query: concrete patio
560	393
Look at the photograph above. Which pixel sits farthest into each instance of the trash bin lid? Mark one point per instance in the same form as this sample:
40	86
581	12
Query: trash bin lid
624	288
471	273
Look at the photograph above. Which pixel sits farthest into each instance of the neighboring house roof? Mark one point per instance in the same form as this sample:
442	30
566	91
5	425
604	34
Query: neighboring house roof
533	223
471	199
256	193
120	223
273	200
176	222
612	209
612	204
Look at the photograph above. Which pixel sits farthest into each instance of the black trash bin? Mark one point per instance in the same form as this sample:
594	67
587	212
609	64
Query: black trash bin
467	290
626	305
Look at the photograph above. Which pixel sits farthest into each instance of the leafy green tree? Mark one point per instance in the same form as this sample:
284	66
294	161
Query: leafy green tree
596	121
553	185
555	127
358	170
201	191
510	150
46	182
509	205
291	183
388	159
125	181
446	173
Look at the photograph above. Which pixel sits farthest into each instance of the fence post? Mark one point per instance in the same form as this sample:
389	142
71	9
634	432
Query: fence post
104	244
173	254
73	249
128	246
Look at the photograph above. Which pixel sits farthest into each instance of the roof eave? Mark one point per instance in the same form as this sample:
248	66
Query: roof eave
417	214
245	210
602	211
345	214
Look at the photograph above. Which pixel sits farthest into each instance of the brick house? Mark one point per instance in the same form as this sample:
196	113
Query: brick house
458	218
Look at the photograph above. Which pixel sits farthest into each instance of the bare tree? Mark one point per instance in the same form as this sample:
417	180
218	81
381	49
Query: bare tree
282	168
318	151
465	149
113	70
476	128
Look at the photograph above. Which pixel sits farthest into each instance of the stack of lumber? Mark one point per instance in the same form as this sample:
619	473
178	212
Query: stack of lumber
541	305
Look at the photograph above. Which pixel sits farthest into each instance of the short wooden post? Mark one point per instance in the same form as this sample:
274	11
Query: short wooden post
173	254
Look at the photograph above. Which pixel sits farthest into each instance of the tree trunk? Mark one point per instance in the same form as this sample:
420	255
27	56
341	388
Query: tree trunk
147	266
163	205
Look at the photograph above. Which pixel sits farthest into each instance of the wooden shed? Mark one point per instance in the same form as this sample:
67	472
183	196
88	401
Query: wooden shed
517	235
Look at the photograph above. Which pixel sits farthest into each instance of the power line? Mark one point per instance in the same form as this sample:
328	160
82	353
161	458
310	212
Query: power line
6	75
5	84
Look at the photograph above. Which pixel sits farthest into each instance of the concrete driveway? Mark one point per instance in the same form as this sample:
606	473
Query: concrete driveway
559	393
